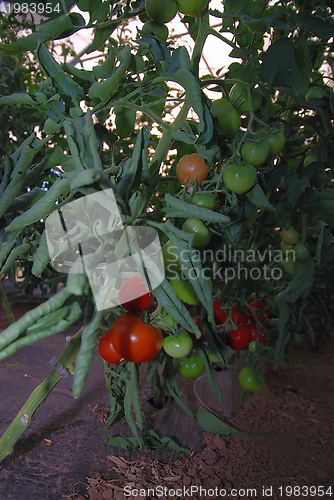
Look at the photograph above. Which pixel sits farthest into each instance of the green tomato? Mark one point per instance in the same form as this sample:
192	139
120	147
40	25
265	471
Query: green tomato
190	366
125	120
316	93
255	153
184	290
253	346
228	117
159	30
178	347
239	98
301	252
161	11
290	236
191	8
171	261
163	320
289	266
311	158
199	229
212	357
276	143
286	247
250	381
203	200
240	178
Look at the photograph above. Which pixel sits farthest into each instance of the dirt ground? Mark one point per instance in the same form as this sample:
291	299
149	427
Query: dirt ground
62	454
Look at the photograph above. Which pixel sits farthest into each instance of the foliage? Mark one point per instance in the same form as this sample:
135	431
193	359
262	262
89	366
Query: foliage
68	132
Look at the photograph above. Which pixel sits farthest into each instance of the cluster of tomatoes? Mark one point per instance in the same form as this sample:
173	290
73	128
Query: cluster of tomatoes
240	328
130	338
296	251
163	11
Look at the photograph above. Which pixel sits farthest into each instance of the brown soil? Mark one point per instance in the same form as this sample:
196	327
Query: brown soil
62	454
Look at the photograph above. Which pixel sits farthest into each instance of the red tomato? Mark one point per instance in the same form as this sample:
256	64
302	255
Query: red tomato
107	350
134	296
219	315
253	329
134	340
259	310
238	317
240	338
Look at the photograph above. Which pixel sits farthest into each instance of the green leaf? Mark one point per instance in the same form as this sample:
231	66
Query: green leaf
62	81
302	281
211	423
283	319
48	30
302	70
180	208
259	200
316	25
42	256
277	63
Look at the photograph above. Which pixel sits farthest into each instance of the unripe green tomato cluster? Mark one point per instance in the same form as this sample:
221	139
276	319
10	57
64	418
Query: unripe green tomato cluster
290	243
163	11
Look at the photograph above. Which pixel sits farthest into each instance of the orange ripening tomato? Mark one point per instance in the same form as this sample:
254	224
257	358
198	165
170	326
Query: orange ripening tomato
191	167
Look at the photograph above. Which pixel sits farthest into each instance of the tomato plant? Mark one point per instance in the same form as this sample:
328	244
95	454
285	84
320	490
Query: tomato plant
178	346
250	380
239	338
134	296
101	161
191	167
161	11
190	366
228	117
240	178
134	340
199	229
107	350
191	8
255	153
